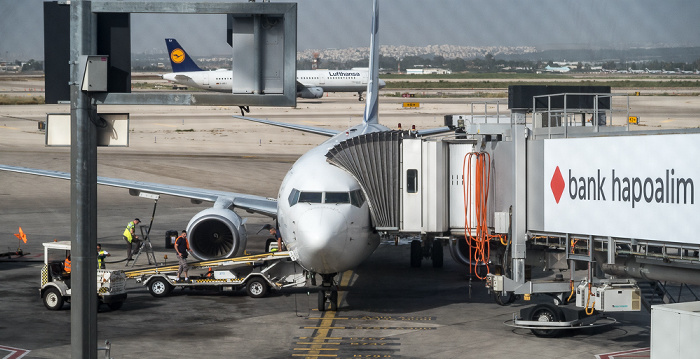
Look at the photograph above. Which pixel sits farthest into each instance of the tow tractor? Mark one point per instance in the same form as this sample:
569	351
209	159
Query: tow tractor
256	273
55	281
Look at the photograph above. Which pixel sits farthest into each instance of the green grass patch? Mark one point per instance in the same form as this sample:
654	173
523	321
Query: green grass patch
187	130
21	100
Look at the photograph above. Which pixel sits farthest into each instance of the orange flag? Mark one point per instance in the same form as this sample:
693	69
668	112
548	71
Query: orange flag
21	235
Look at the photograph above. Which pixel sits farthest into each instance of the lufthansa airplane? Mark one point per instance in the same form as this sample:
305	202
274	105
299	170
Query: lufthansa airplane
310	83
321	210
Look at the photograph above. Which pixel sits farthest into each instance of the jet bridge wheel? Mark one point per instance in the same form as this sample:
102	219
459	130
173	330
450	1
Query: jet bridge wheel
436	254
416	253
546	313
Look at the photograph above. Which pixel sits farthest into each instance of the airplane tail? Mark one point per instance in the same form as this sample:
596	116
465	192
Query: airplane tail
372	103
179	59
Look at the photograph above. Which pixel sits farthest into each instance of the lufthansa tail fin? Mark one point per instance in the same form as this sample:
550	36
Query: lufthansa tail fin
179	59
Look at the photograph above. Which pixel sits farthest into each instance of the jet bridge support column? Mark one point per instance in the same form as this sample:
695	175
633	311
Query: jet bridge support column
519	216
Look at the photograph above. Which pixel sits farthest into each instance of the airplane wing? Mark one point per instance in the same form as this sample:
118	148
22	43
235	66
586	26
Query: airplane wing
433	131
316	130
246	202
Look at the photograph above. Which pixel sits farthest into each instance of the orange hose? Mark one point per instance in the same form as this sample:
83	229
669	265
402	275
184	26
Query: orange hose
479	248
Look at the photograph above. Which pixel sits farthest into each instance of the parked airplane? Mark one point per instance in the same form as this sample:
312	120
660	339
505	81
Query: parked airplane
635	71
652	71
321	210
557	69
310	83
685	72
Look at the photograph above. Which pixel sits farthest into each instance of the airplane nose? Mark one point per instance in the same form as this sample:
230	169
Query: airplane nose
381	83
320	228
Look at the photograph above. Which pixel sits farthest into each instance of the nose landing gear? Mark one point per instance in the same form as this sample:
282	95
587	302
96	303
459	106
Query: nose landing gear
328	293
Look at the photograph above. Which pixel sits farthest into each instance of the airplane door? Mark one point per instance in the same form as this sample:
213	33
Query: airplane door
205	79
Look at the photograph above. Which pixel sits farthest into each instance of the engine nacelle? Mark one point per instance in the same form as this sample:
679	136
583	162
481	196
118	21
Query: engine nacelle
216	233
310	92
459	249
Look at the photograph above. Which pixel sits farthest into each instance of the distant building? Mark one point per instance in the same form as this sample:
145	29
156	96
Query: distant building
428	71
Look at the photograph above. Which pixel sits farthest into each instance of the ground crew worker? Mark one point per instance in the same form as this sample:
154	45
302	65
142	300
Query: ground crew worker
130	237
277	236
181	247
101	256
66	264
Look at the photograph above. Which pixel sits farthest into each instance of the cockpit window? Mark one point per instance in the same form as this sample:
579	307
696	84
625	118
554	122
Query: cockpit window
294	197
311	197
356	198
337	197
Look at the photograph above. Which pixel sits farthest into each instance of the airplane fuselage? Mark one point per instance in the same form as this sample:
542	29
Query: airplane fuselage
328	80
323	216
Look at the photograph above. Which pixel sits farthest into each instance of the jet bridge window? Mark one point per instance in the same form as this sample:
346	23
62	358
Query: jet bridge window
311	197
356	198
412	181
337	197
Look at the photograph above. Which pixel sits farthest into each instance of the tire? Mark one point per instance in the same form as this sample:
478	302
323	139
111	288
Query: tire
437	254
333	298
159	287
321	300
53	300
546	313
115	305
416	253
504	300
256	288
268	244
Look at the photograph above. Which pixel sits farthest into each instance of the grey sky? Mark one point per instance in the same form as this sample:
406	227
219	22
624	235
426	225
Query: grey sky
345	23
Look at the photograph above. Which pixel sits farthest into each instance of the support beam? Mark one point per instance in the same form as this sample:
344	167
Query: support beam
83	190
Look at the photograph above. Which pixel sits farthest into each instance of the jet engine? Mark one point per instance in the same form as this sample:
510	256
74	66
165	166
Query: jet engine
310	92
459	249
216	233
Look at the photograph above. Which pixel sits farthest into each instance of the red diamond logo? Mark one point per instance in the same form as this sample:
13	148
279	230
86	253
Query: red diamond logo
557	184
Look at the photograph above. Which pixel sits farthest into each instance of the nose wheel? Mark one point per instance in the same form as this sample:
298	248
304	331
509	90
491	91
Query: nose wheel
328	295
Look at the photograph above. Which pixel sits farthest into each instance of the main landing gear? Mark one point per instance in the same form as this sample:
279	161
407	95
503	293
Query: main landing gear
360	98
328	293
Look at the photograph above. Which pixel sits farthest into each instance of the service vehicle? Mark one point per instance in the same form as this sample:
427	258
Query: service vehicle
56	286
256	273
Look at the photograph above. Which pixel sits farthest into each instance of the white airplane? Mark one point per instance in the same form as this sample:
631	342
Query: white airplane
635	71
557	69
321	210
652	71
685	72
310	83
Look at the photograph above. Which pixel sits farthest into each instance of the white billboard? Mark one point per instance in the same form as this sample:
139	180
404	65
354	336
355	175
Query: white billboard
624	186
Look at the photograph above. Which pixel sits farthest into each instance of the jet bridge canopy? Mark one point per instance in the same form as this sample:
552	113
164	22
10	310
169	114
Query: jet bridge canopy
374	160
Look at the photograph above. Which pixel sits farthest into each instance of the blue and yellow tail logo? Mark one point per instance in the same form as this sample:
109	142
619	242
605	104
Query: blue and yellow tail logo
179	60
177	56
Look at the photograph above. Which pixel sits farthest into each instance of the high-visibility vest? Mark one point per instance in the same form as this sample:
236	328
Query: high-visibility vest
127	231
100	259
66	265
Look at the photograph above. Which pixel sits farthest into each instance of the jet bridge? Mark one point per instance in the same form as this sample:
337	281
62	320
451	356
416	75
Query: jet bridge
560	183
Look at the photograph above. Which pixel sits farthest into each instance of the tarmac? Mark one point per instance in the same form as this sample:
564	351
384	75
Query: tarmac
387	308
